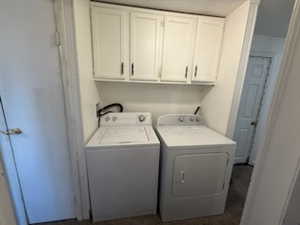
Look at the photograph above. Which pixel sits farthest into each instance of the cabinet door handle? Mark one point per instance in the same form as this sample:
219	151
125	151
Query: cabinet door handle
122	68
253	123
186	71
132	69
196	70
182	177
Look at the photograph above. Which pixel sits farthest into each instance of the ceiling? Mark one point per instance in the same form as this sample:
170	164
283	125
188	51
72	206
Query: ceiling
273	17
208	7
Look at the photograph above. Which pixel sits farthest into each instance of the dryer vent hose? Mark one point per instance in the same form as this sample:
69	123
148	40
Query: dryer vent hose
108	109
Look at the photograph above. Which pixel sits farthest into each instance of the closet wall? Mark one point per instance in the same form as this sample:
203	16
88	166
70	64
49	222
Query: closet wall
218	102
89	95
221	103
158	99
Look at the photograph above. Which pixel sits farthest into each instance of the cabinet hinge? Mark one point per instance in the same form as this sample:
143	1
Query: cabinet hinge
57	39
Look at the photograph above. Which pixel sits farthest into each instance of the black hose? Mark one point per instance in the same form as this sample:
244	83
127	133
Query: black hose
105	110
197	110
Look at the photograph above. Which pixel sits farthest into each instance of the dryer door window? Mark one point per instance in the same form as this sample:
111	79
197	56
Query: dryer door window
200	174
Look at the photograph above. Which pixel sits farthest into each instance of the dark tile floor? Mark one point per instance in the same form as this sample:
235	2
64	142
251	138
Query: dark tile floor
236	198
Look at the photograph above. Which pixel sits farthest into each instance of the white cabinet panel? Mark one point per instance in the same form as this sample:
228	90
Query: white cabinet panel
145	50
179	38
200	174
141	45
208	49
109	42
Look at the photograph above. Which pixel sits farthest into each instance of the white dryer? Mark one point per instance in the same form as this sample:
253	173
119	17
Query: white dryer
196	165
123	161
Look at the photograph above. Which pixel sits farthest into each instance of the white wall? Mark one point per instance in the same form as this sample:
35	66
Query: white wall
273	17
263	43
266	46
158	99
217	104
7	216
88	90
279	162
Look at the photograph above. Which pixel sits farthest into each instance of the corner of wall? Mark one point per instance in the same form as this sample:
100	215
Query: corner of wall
89	95
221	103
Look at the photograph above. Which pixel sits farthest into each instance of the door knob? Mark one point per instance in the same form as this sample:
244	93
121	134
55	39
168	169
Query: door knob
15	131
253	123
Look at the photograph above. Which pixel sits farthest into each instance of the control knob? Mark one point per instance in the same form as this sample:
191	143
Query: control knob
181	119
142	118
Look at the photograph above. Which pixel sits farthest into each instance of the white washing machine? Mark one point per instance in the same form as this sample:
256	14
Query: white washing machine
123	165
196	165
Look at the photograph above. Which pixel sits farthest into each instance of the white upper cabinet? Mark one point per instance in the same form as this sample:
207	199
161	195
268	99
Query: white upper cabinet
208	49
178	48
109	43
145	46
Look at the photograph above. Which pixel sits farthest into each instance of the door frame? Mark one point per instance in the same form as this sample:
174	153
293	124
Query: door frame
264	54
63	10
11	172
281	82
275	59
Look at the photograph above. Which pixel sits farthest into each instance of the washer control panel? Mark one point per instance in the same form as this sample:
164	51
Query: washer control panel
117	119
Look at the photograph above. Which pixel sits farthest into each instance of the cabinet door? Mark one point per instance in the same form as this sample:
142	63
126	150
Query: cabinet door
145	51
208	49
179	38
108	27
200	174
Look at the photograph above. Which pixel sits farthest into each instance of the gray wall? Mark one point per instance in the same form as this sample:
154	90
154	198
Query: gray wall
273	17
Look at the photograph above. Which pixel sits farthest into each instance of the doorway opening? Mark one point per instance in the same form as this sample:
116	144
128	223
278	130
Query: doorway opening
250	109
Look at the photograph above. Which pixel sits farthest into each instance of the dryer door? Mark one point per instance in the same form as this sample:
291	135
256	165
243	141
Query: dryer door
200	174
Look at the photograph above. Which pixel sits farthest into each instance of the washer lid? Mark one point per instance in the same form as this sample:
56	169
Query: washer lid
180	136
123	135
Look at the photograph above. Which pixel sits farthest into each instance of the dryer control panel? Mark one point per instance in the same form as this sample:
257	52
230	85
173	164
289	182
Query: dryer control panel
180	120
117	119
